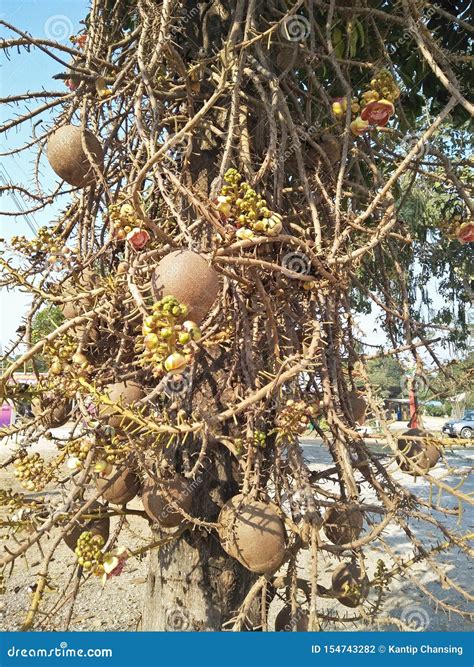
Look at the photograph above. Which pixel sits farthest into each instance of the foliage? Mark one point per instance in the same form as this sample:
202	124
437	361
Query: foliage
45	322
386	373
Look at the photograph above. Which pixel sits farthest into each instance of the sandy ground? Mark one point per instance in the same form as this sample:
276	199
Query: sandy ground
117	605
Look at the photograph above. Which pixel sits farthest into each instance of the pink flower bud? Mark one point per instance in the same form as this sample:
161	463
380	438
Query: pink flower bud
378	112
138	238
465	233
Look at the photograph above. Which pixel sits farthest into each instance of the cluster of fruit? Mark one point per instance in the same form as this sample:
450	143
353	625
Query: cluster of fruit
239	204
259	438
89	551
11	500
123	218
375	106
77	452
65	364
111	451
32	471
167	340
45	244
295	416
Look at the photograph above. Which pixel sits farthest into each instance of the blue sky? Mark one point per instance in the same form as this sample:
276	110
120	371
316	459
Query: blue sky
53	19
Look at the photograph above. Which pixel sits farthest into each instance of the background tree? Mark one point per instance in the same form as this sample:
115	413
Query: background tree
256	136
387	374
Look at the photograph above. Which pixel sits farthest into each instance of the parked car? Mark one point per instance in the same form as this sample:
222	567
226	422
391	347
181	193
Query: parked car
461	428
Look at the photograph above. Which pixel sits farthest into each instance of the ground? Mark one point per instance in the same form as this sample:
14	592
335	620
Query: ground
117	606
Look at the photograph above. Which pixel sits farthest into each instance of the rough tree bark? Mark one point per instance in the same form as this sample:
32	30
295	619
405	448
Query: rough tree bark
192	583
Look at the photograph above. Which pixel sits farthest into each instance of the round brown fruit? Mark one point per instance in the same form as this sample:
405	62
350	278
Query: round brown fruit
57	416
122	490
350	586
85	282
188	277
343	525
125	394
99	526
159	499
413	446
68	158
252	532
285	623
358	406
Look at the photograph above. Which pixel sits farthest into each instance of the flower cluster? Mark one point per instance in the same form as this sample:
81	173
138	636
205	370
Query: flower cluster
46	245
66	366
458	227
32	471
295	416
11	500
77	452
259	438
107	452
167	339
464	231
110	451
59	353
79	40
127	225
240	205
91	557
89	550
375	106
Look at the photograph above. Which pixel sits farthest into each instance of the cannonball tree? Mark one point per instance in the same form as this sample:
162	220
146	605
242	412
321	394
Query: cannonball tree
243	180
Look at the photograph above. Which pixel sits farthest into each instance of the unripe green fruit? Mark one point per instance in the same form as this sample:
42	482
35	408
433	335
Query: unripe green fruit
175	362
151	341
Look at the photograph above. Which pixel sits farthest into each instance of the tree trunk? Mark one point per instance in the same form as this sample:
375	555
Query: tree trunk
191	588
192	583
